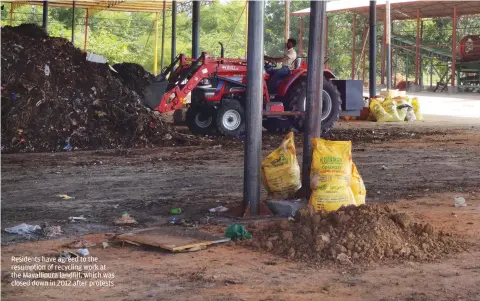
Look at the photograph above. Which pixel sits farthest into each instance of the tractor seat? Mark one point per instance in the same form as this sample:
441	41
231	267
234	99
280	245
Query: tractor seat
297	63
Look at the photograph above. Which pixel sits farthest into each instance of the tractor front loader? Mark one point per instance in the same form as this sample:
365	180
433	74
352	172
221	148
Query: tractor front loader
218	85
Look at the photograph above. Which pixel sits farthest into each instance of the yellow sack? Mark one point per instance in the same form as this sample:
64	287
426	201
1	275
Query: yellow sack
357	186
391	108
280	170
331	174
379	112
416	109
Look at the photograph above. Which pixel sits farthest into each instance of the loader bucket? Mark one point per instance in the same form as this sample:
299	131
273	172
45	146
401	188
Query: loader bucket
154	92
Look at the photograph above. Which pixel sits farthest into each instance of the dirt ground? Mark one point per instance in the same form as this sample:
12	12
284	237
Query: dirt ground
419	168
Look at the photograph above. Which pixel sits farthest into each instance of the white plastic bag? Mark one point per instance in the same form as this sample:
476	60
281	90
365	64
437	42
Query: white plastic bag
23	229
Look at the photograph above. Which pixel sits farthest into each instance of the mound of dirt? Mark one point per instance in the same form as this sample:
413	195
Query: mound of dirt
367	233
134	76
53	99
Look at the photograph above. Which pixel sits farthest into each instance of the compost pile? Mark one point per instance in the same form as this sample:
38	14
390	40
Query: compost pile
53	99
367	233
134	76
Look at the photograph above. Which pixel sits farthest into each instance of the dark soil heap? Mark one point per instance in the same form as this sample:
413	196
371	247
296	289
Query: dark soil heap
134	76
366	233
53	98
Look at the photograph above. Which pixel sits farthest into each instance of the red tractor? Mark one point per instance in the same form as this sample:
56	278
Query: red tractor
217	87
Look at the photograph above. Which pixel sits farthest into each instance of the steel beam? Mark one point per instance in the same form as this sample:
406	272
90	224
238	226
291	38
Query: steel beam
44	16
155	47
384	52
174	31
313	108
163	37
417	49
253	108
388	45
85	39
454	45
287	20
300	42
354	38
373	49
196	29
73	23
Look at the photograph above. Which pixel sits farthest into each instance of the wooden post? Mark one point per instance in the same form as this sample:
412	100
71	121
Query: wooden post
417	49
454	45
354	37
86	32
155	54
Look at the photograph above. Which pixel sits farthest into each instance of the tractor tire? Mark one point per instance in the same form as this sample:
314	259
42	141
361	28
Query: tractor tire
200	119
331	104
231	118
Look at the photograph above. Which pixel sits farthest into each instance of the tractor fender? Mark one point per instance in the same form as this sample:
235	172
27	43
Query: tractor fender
292	78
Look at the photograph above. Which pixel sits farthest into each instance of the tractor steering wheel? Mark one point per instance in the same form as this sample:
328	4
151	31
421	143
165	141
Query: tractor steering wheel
270	64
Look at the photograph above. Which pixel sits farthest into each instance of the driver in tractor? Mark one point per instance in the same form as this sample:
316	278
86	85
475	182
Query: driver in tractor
287	65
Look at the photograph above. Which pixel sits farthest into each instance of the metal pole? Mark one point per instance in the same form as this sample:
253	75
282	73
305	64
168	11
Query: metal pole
354	29
11	14
372	68
407	61
86	31
313	108
431	72
155	48
163	38
246	27
73	23
417	48
253	109
326	38
388	45
174	31
287	20
454	46
196	29
45	16
384	47
300	42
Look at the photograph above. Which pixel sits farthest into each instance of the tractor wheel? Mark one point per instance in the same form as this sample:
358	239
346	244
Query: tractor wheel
331	104
231	118
200	119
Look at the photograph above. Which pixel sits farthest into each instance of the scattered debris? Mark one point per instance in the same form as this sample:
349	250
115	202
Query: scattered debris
285	208
353	234
173	239
124	219
459	202
237	231
23	229
52	231
65	196
218	209
384	167
83	252
105	244
65	255
176	211
77	218
80	244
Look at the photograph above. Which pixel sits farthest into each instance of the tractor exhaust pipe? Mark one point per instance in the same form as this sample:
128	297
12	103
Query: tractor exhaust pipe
222	50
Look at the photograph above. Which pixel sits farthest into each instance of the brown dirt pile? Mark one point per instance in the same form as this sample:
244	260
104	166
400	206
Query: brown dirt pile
367	233
53	98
